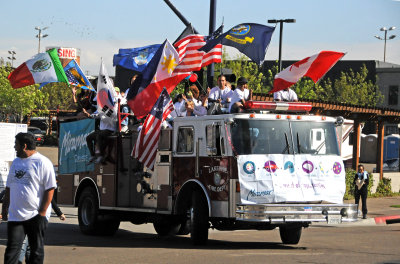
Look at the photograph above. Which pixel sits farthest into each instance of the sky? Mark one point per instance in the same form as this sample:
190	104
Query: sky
100	28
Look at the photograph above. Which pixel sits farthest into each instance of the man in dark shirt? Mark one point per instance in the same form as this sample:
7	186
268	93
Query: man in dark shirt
361	181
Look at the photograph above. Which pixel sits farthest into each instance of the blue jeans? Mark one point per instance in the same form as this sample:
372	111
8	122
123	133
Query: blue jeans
25	251
34	228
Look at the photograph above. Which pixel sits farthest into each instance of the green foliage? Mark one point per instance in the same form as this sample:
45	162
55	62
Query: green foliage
349	193
18	102
353	87
58	95
384	187
241	66
22	101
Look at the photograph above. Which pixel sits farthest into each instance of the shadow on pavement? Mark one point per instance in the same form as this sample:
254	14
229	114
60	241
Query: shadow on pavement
70	235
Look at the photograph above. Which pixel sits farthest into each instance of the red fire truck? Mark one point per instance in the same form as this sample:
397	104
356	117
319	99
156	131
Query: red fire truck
268	168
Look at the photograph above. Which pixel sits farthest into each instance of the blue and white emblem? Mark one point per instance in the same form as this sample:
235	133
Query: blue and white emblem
141	58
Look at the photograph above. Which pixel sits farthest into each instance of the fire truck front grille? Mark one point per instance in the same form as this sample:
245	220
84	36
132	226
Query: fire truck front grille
283	213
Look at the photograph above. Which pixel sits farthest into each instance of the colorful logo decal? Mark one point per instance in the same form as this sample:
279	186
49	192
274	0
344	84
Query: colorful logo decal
337	168
240	30
321	168
270	166
289	166
308	166
249	167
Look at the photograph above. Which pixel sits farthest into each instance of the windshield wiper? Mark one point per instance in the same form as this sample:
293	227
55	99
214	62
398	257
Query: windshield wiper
298	144
287	145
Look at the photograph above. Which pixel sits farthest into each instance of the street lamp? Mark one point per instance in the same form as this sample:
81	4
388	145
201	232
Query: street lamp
281	21
40	36
12	57
386	38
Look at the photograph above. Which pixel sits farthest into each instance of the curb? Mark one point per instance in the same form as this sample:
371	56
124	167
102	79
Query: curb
389	219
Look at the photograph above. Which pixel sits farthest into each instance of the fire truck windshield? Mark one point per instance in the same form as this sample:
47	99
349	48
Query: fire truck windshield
257	136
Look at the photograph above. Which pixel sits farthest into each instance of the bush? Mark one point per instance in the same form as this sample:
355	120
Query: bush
349	194
384	187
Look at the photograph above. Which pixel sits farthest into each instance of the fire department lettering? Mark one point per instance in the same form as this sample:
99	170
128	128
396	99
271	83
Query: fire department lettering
217	168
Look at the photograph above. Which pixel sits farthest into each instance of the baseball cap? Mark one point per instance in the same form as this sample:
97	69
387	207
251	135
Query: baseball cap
242	80
116	89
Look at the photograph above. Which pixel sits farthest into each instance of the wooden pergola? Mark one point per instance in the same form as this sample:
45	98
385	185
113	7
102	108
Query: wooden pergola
358	114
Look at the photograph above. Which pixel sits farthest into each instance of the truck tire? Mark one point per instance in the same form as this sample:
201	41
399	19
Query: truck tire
88	212
199	219
290	234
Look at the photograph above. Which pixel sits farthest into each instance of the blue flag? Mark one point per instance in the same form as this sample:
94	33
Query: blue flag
135	59
251	39
76	77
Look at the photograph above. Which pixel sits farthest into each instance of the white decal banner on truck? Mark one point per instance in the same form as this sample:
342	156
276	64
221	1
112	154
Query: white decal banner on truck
291	178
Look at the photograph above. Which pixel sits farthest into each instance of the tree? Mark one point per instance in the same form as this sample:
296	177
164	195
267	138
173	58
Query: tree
351	87
58	95
241	66
18	102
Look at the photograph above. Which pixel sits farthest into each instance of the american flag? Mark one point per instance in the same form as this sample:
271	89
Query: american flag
146	144
190	58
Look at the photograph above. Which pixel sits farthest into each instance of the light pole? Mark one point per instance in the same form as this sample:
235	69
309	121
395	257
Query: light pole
12	57
40	36
386	38
281	21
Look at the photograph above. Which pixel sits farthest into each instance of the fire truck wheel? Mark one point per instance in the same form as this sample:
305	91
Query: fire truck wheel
290	235
88	210
199	219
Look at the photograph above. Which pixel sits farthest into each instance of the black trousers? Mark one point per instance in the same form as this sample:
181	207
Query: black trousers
99	136
34	228
363	192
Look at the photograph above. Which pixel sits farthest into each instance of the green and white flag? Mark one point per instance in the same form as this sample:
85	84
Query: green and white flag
43	67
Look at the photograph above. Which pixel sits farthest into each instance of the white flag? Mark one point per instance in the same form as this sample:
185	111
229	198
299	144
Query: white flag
107	102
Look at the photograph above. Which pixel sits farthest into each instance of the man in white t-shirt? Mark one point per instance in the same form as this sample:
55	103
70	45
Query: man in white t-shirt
30	188
240	95
286	95
221	93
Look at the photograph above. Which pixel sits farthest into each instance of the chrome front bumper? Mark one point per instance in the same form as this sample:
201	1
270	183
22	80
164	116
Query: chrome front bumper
285	213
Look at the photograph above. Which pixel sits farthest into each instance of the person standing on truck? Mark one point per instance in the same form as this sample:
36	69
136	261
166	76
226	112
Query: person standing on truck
220	94
100	137
240	95
30	188
361	181
286	95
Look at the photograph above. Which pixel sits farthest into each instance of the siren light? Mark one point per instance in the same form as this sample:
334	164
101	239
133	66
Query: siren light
278	106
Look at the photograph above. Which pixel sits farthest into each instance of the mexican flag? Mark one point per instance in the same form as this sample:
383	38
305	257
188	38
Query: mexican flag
43	67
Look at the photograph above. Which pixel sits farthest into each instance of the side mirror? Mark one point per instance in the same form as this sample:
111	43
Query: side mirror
339	121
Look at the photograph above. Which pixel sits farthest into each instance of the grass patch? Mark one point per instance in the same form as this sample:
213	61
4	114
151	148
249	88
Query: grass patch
395	206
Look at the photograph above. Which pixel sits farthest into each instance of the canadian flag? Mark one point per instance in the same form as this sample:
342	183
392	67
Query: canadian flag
315	67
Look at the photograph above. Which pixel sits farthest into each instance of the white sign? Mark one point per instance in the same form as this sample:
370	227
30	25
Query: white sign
7	135
67	53
291	178
4	169
7	151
